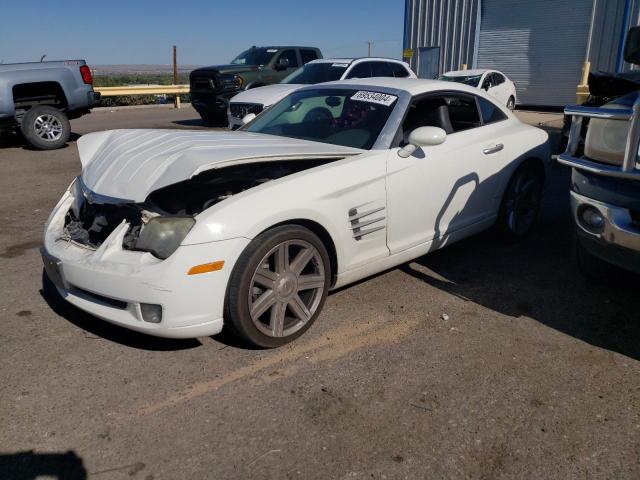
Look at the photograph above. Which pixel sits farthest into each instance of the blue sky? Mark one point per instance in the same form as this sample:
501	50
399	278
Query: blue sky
206	32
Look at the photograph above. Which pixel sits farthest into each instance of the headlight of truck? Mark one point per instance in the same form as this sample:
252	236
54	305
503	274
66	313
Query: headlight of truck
161	236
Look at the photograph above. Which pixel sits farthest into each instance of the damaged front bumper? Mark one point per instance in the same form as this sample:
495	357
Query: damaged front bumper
113	284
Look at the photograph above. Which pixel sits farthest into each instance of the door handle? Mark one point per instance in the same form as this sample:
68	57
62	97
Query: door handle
494	149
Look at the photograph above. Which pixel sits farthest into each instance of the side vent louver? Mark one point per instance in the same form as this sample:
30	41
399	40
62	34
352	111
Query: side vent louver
363	222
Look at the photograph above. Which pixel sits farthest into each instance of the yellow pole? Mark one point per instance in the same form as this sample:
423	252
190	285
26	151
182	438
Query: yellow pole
582	92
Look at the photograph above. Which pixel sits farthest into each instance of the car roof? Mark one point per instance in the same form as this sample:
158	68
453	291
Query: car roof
466	73
413	86
356	59
280	47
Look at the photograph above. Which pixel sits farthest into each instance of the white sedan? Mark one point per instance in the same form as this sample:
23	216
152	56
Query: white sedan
177	233
323	70
493	82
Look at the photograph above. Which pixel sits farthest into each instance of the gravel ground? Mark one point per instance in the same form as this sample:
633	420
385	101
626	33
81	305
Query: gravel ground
481	361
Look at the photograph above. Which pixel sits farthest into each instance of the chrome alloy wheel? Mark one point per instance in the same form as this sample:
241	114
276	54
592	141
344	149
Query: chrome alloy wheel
286	288
523	204
48	127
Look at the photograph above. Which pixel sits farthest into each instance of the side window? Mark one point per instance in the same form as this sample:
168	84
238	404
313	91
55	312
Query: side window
308	55
381	69
399	71
360	70
490	112
487	83
291	56
497	79
452	113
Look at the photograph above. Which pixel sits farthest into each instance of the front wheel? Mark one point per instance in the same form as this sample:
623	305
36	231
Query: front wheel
45	128
278	286
521	202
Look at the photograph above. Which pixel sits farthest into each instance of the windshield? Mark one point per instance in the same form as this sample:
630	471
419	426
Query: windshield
317	73
472	80
347	117
255	56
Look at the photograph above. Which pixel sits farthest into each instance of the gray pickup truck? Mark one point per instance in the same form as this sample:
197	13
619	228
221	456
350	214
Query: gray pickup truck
39	98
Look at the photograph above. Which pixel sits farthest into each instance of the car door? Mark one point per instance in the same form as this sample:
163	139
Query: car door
500	87
438	194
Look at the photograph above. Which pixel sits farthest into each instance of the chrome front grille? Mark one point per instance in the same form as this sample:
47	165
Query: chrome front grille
364	221
611	161
239	110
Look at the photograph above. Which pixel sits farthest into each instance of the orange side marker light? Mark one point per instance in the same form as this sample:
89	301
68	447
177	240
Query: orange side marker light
206	268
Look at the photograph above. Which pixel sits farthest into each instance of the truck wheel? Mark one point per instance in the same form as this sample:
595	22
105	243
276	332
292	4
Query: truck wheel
214	120
45	128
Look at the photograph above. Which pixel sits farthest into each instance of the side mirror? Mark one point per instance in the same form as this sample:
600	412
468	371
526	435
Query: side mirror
423	137
632	46
283	64
247	118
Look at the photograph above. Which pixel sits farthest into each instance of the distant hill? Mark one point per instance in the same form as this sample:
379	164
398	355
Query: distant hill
139	68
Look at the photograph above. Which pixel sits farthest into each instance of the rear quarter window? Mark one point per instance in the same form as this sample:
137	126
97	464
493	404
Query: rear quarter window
308	55
490	112
360	70
399	71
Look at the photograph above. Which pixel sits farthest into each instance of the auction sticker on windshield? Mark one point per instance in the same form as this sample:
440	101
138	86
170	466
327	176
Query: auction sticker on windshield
374	97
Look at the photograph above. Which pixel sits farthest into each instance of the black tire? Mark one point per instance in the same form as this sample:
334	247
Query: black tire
45	128
518	216
242	286
511	103
215	119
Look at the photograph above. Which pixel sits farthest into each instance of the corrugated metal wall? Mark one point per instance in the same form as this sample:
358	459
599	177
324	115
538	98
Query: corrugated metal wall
612	20
448	24
454	26
540	45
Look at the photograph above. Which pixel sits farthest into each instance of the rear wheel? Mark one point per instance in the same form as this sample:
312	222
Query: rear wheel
511	103
45	128
278	286
521	202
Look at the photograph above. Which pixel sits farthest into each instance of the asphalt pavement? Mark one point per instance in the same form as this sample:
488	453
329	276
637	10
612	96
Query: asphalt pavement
483	360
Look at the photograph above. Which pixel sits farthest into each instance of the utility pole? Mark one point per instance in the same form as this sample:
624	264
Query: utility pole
175	76
369	48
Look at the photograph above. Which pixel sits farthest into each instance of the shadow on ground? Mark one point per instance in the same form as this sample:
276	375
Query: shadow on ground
15	140
31	466
538	278
106	330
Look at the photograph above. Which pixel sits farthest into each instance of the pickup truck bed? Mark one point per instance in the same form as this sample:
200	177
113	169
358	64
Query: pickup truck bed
39	98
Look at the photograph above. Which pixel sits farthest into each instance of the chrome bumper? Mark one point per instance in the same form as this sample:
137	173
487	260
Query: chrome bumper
619	228
629	169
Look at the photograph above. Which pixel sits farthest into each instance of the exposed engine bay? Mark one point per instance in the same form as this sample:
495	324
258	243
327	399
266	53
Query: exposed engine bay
89	224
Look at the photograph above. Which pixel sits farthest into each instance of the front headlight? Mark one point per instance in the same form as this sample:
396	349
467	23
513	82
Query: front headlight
75	189
161	236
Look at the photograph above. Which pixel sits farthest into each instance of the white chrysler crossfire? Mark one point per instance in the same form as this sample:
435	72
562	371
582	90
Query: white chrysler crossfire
175	233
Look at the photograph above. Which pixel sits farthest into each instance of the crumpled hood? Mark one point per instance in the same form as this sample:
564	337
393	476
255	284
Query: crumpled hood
130	164
266	95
